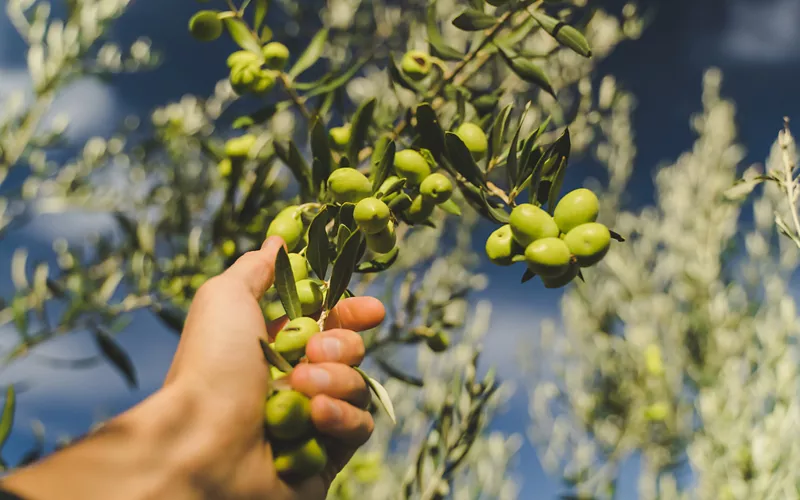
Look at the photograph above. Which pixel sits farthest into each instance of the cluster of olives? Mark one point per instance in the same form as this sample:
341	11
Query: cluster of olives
251	73
555	247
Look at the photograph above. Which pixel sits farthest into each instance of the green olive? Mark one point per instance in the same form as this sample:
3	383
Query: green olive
577	207
242	58
224	167
301	461
412	166
562	280
437	187
274	310
228	248
310	294
291	341
348	185
530	223
206	25
371	215
653	361
438	342
383	241
299	266
475	139
420	210
416	64
657	412
549	257
239	147
501	247
263	83
340	137
275	55
288	224
274	372
589	243
287	415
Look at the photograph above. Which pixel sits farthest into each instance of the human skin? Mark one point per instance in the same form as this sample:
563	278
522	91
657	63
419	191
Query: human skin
200	436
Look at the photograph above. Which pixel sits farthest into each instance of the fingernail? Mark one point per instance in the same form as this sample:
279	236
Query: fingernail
334	412
331	348
319	377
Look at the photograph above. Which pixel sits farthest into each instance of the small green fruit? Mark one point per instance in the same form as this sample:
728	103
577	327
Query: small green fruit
577	207
438	342
274	310
563	280
653	361
224	167
288	415
371	215
501	247
205	26
416	64
437	187
299	266
348	185
412	166
530	223
288	224
475	140
656	412
589	243
548	257
239	147
242	58
228	248
340	137
263	83
276	55
301	461
291	341
275	373
420	210
383	241
310	294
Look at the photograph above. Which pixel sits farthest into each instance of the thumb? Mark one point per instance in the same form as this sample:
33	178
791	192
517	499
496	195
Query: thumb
256	270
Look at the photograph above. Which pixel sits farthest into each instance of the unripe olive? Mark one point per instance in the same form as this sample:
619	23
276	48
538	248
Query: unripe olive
383	241
530	223
274	310
589	243
420	210
274	372
416	64
310	294
242	79
301	461
239	147
548	257
436	187
340	137
412	166
501	247
288	224
291	341
656	412
299	266
276	55
475	139
225	167
348	185
263	83
287	415
205	25
228	248
577	207
438	342
371	215
563	280
242	58
653	361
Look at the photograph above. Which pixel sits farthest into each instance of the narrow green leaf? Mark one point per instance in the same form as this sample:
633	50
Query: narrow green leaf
379	263
400	203
528	71
346	216
311	55
565	34
362	119
343	269
555	187
529	275
473	20
529	157
260	13
342	234
393	188
498	133
9	410
497	215
285	285
381	393
114	353
318	251
242	35
462	160
340	80
514	37
321	153
511	159
616	236
292	158
397	77
273	358
438	46
384	165
451	207
430	132
171	316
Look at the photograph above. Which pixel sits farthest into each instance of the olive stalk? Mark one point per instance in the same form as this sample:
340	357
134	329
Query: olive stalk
785	141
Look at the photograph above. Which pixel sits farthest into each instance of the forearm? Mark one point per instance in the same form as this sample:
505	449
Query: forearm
142	454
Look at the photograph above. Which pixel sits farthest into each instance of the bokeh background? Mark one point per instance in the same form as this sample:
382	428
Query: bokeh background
756	44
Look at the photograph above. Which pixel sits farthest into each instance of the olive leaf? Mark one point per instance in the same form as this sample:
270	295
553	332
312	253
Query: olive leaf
343	233
379	263
530	158
242	35
565	34
529	275
273	358
318	251
616	236
311	55
473	20
438	46
393	188
362	119
171	316
742	188
114	353
260	13
430	131
400	203
382	162
555	185
292	158
512	160
9	410
381	393
527	70
496	214
331	84
322	163
513	37
285	285
346	216
343	269
462	160
498	132
451	207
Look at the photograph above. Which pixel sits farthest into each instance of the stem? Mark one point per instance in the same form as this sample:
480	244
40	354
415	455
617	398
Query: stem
785	139
298	101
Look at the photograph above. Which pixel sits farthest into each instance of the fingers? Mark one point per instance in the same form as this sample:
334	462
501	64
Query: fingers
331	379
336	346
345	422
256	269
356	313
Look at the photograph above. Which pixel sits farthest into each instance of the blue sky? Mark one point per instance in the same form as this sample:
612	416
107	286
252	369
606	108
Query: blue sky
754	42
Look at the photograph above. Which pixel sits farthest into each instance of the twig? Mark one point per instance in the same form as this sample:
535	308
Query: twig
785	140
